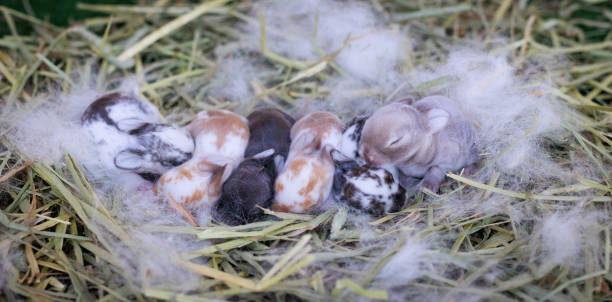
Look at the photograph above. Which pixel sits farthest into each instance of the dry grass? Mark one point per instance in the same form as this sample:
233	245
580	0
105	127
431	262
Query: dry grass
46	213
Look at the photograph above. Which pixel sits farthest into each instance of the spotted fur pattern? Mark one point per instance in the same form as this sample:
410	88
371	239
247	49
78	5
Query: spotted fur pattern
194	184
221	138
131	138
304	183
373	190
370	189
307	178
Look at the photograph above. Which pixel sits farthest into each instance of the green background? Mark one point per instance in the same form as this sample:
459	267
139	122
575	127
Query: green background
58	12
64	12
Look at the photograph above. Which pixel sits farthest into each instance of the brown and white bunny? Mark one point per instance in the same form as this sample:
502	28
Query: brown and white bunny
307	177
373	190
424	140
220	140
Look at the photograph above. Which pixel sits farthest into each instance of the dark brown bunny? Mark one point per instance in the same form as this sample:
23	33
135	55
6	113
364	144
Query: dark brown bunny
270	129
252	183
249	186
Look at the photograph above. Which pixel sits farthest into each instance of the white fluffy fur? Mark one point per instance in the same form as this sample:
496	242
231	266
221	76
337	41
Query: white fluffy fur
6	270
412	261
511	117
307	30
349	146
50	128
232	79
45	129
513	112
565	235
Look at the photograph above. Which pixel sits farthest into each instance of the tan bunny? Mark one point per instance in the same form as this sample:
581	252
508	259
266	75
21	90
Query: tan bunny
425	140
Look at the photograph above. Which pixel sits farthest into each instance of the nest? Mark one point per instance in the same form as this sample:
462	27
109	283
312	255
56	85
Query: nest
492	236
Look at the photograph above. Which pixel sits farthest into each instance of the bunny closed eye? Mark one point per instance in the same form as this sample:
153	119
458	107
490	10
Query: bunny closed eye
395	141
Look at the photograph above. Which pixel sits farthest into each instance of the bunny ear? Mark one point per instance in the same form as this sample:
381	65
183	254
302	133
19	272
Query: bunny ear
342	161
218	171
263	154
338	156
226	172
220	175
279	163
407	100
303	144
436	120
130	124
129	159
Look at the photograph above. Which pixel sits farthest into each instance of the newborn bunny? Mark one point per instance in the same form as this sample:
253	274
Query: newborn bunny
129	136
249	186
425	140
252	183
371	189
270	129
220	140
307	177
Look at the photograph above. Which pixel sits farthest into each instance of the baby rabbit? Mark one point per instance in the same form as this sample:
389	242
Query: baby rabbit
130	137
249	186
373	190
220	140
425	140
307	177
270	129
252	183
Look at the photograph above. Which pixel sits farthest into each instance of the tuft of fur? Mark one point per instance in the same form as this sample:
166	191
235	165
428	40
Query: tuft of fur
47	128
512	116
409	263
307	30
7	272
565	235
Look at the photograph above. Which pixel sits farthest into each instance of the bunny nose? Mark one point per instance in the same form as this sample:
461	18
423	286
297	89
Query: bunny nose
371	157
